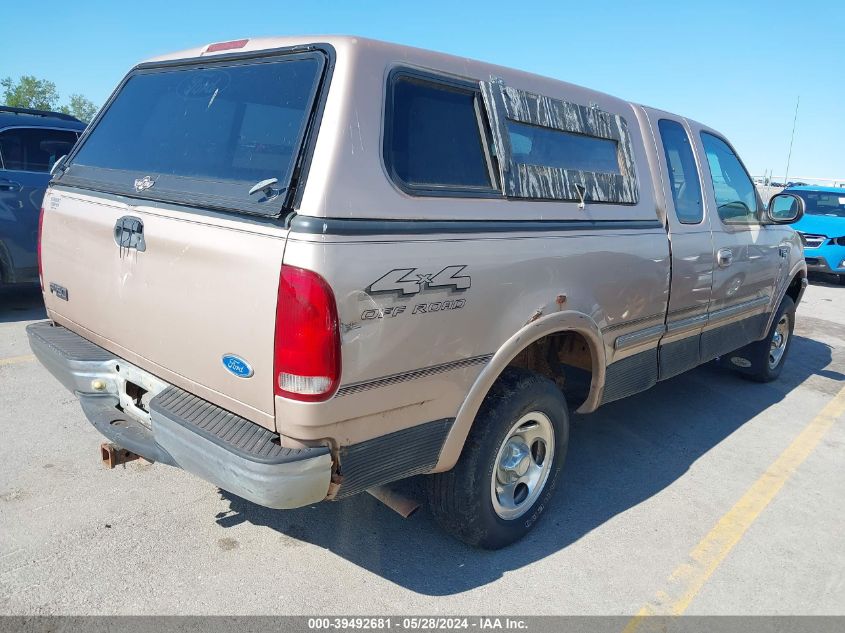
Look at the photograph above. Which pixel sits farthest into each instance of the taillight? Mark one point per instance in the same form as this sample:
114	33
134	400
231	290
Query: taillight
307	354
38	248
225	46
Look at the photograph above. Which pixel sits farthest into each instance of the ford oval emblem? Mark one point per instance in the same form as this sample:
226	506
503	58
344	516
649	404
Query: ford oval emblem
237	365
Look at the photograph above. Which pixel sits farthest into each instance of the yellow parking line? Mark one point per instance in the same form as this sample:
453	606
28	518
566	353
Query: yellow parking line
16	359
688	579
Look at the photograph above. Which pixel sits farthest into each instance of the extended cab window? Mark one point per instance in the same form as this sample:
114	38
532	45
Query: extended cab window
736	197
683	175
34	148
433	139
205	134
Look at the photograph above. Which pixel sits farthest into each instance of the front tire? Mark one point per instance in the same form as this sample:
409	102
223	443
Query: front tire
510	464
768	356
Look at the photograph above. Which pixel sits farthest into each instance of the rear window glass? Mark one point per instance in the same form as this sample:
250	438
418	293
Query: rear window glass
33	148
208	133
535	145
434	136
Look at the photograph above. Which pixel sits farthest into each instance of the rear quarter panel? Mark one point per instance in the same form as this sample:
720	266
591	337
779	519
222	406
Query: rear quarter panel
617	278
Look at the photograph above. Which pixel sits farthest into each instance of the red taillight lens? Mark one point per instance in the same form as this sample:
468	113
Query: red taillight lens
225	46
38	248
307	355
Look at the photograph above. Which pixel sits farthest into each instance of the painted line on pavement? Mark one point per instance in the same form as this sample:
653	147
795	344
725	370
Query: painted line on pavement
687	580
14	360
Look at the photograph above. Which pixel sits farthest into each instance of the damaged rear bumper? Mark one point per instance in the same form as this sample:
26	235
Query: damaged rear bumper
183	430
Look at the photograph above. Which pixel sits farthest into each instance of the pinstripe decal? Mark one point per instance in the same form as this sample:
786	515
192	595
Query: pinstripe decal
639	336
630	322
393	379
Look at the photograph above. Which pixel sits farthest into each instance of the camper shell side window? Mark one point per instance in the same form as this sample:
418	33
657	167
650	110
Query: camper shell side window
550	149
436	139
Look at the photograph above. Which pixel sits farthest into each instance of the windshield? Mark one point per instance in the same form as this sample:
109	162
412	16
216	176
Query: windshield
205	134
823	202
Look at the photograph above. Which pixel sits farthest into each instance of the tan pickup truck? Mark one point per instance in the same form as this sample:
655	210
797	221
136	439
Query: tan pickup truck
303	268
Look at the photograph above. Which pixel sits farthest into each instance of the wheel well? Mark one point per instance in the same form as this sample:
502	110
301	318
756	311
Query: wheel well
565	358
794	289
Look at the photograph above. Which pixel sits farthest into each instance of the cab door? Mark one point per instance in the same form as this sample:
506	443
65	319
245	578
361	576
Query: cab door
746	254
690	241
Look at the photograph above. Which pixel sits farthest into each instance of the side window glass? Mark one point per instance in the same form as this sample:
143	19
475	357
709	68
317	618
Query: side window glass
34	149
736	197
434	137
683	175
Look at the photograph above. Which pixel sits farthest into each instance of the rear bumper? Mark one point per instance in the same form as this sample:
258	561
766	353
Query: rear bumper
183	430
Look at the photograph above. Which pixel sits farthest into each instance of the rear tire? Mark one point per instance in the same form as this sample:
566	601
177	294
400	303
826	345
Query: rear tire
768	356
509	467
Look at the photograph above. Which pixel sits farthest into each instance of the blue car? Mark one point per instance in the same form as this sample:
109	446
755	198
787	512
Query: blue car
30	142
822	229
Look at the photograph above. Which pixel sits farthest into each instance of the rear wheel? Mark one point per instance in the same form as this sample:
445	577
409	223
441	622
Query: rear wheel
510	464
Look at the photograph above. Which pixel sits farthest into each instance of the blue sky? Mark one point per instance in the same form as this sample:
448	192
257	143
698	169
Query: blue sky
737	66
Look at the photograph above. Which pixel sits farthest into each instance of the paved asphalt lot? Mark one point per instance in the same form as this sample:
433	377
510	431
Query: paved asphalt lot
650	490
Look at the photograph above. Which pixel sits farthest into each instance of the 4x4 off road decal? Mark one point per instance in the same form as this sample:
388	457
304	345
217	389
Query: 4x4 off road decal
407	281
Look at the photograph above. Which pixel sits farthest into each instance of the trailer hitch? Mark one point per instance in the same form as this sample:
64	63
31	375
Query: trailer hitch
113	455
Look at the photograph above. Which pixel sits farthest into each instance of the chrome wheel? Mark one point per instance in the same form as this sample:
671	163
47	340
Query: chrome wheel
779	339
522	465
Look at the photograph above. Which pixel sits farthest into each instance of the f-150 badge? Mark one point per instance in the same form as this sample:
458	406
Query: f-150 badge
409	281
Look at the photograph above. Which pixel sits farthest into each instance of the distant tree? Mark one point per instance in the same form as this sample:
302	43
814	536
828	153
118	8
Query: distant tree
40	94
80	107
29	92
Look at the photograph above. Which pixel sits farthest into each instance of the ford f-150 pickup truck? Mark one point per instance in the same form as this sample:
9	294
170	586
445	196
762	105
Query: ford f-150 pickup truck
301	268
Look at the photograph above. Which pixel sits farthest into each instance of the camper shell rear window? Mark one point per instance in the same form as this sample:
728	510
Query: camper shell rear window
205	132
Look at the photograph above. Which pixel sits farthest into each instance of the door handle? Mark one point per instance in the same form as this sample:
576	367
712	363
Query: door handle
9	185
724	257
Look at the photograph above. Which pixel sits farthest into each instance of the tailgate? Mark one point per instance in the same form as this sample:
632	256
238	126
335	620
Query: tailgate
163	232
203	287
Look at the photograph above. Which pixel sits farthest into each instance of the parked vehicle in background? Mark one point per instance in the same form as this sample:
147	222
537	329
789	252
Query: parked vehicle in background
31	141
822	229
463	253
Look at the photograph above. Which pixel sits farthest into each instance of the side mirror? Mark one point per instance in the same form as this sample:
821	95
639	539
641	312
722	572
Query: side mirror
785	208
58	165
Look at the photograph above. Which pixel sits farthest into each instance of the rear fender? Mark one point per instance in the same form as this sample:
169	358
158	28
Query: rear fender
567	321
